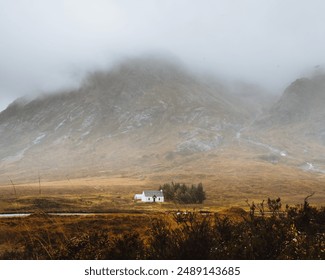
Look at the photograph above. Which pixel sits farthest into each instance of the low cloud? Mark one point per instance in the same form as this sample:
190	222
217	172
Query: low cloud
48	45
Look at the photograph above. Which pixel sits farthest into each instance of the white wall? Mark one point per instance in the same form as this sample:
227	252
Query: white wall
150	199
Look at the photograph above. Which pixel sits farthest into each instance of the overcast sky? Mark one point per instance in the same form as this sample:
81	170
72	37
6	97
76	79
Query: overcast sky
47	45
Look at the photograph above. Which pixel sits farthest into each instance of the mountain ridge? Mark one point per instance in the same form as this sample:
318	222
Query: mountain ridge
152	116
137	106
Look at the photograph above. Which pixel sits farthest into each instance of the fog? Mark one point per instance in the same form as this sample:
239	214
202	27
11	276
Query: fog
49	45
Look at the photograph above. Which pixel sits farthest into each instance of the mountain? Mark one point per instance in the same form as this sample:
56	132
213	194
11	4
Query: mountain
144	115
293	129
303	103
152	118
300	110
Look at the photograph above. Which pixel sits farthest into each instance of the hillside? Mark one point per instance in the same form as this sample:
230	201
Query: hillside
151	121
142	114
293	130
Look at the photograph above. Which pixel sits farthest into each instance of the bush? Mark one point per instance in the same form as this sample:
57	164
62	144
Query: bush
270	233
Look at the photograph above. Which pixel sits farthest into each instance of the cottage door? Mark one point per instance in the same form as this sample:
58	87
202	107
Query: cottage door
154	198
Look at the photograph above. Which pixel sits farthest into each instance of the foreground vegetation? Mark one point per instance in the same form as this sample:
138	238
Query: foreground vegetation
266	231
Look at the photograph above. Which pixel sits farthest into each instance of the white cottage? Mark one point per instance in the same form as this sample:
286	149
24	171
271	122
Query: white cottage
150	196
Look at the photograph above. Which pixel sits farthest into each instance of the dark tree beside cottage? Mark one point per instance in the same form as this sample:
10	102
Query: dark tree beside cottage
181	193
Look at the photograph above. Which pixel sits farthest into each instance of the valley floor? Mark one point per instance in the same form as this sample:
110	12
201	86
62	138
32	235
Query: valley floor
118	220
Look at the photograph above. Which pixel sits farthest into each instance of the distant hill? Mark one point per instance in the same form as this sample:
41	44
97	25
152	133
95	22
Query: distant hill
300	110
302	101
295	123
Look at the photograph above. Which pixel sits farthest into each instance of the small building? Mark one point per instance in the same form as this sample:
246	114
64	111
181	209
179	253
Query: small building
150	196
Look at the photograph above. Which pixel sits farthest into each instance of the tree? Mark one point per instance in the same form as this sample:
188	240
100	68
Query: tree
181	193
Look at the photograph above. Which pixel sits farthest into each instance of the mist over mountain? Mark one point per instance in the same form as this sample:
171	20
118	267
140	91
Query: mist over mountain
300	110
293	129
303	100
152	116
141	108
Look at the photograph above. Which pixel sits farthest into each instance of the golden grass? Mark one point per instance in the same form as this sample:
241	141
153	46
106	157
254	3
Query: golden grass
229	183
226	191
53	231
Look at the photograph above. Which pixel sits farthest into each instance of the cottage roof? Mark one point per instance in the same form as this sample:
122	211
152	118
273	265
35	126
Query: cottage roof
152	193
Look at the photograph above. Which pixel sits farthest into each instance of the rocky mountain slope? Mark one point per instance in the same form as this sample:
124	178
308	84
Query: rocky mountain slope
303	102
293	130
141	114
151	116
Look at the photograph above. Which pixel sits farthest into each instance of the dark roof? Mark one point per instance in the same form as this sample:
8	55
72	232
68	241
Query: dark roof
152	193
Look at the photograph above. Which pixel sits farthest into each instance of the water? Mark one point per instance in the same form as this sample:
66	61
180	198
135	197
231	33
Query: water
14	215
17	215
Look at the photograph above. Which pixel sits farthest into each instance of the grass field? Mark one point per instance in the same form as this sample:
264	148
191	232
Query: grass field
227	185
110	199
